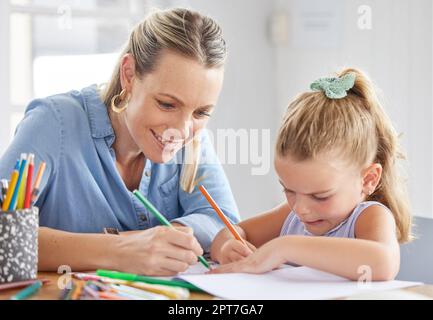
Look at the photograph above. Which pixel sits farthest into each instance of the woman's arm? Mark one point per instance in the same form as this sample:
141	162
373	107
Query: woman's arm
82	252
158	251
374	253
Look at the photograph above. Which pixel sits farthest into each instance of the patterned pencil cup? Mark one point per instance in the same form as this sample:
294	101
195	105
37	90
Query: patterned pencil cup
19	245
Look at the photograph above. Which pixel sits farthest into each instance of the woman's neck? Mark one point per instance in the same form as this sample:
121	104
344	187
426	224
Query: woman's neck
126	150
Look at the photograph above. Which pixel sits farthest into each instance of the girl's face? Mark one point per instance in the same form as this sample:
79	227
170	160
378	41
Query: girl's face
322	192
170	105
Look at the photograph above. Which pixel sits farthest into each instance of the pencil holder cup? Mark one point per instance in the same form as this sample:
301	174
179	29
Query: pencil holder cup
19	245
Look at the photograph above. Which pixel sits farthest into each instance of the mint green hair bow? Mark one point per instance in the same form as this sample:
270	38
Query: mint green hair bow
335	88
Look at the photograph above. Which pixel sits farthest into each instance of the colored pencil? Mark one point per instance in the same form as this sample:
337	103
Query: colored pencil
162	219
22	187
14	179
28	292
221	214
151	280
14	199
35	191
4	188
28	190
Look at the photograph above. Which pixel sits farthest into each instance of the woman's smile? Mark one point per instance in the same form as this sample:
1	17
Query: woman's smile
165	144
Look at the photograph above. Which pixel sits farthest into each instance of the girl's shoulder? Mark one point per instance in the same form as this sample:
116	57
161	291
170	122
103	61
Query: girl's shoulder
372	216
368	206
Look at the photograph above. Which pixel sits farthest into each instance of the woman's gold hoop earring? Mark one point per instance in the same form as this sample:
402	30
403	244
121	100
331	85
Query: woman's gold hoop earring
123	103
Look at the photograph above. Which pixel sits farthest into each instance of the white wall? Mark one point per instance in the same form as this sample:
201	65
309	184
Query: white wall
396	53
261	77
248	99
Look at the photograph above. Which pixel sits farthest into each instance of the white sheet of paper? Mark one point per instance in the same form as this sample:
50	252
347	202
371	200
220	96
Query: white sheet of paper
285	283
197	268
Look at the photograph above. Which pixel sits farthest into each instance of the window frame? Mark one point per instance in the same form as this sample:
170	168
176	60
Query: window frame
133	13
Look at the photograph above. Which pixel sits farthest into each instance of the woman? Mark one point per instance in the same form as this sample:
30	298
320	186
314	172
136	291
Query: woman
141	132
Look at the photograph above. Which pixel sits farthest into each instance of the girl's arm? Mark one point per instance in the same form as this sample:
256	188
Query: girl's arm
374	253
266	226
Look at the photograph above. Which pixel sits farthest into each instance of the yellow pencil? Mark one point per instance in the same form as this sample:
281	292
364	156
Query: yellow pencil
13	183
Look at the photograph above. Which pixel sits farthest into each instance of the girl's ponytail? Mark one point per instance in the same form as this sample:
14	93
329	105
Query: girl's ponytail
391	190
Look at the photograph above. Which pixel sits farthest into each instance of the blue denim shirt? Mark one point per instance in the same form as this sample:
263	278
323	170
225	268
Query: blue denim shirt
82	191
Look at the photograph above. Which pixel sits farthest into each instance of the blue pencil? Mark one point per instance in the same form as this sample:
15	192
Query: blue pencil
14	199
27	292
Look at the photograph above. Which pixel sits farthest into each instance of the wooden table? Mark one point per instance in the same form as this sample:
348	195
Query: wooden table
51	291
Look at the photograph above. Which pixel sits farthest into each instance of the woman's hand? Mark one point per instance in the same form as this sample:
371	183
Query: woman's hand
234	250
158	251
266	258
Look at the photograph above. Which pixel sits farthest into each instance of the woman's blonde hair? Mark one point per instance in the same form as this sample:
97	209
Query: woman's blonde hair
185	32
358	128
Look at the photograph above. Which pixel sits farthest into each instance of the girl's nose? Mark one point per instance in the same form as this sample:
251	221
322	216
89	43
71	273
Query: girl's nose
300	206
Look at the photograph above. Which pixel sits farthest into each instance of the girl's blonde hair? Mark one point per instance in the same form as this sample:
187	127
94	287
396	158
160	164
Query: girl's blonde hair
358	128
183	31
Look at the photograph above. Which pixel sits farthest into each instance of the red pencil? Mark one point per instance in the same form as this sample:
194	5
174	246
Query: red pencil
29	182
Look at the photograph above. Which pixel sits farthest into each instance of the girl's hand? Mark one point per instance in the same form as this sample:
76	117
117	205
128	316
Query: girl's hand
264	259
234	250
158	251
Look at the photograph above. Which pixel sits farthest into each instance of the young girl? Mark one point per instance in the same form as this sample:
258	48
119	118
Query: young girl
346	209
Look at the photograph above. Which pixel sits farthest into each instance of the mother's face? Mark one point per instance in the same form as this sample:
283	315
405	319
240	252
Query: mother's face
170	105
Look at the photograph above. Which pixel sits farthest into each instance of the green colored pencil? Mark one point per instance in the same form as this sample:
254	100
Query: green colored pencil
151	280
162	219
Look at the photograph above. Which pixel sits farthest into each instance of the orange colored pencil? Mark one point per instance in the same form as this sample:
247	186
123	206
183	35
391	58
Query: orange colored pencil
35	191
76	294
221	214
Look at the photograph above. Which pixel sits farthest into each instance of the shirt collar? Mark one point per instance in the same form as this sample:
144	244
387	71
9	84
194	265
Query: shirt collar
100	124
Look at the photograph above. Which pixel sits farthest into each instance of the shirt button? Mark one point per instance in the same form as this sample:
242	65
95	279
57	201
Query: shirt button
143	217
147	173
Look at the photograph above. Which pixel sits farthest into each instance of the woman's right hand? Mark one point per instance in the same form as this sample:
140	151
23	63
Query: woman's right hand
158	251
234	250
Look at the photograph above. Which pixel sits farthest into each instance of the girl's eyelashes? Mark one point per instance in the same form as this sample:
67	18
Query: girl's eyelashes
321	198
290	192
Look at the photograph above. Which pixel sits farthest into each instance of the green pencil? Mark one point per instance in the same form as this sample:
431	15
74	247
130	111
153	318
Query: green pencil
28	291
162	219
151	280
